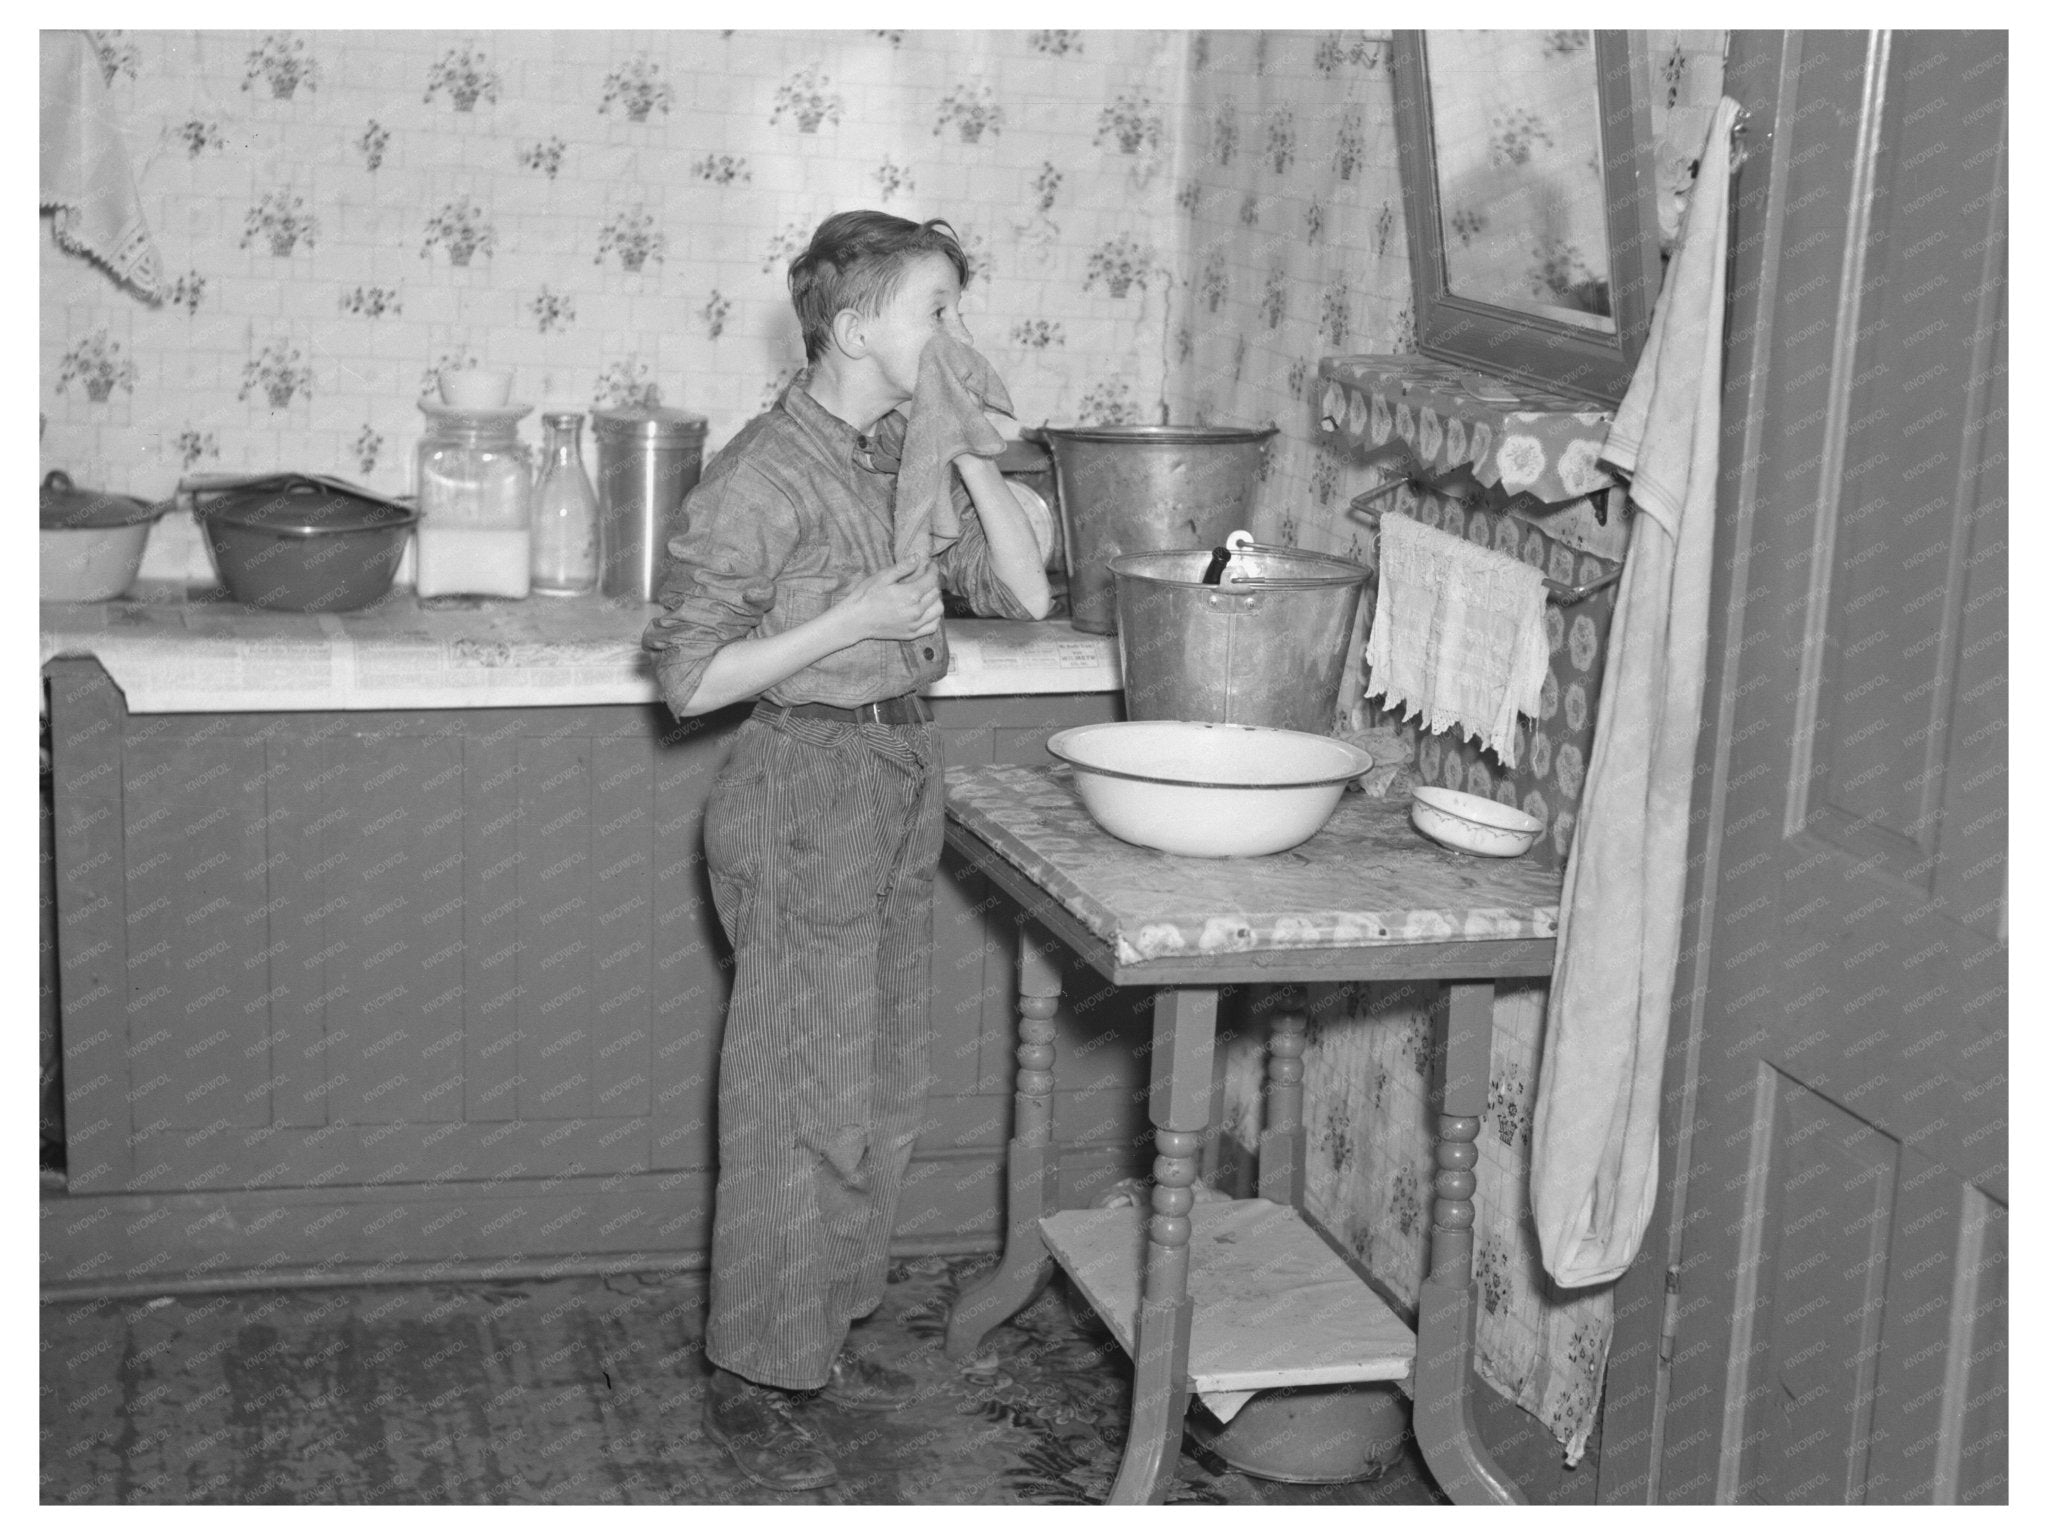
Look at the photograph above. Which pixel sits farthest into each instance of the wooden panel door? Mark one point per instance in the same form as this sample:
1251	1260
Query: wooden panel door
1840	1321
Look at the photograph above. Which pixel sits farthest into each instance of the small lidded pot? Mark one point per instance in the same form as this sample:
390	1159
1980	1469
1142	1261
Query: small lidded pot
91	542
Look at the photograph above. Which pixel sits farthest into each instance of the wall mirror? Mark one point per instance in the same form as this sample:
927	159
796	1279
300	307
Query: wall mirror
1527	171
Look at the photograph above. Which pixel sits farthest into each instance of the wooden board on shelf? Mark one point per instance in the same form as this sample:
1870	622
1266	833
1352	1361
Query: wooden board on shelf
1274	1306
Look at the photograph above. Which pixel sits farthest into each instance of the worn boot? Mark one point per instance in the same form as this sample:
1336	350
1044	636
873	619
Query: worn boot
862	1383
753	1424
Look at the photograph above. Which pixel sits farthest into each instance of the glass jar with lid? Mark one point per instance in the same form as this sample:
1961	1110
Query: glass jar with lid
474	482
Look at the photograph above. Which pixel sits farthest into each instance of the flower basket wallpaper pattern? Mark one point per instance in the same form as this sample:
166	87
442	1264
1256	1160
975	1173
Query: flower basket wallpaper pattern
1166	225
590	207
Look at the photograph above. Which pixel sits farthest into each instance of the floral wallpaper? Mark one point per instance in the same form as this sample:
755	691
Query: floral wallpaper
610	213
1164	225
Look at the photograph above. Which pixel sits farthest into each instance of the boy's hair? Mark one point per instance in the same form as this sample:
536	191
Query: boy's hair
856	261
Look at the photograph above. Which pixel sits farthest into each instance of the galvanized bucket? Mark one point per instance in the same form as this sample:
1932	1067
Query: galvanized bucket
1265	646
1127	489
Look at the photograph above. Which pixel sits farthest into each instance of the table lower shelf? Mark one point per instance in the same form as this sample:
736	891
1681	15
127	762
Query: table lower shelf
1273	1305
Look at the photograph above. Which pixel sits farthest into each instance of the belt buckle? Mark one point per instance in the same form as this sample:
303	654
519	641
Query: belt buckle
869	713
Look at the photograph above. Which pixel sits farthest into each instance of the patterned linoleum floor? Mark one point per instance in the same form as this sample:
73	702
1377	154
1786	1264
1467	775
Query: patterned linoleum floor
571	1391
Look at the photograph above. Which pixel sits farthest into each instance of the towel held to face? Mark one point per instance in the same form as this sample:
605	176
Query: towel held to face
1457	634
947	417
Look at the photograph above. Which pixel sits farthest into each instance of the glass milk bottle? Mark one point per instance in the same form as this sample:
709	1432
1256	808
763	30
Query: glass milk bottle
474	484
564	512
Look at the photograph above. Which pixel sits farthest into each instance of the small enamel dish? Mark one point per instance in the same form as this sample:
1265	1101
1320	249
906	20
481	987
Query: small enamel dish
1471	823
1207	790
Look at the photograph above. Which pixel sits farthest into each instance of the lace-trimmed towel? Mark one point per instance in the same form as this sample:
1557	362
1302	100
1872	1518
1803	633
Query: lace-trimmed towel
1457	635
85	174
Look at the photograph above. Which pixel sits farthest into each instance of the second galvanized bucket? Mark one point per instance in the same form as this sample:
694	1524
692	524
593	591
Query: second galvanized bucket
1265	646
1127	489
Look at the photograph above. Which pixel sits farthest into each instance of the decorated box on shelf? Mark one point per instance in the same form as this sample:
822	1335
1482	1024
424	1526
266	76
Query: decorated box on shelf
1449	421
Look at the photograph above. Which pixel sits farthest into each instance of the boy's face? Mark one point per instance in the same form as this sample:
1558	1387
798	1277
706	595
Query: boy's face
926	302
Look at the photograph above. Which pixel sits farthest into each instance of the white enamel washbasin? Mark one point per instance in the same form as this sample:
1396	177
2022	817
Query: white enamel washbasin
1208	790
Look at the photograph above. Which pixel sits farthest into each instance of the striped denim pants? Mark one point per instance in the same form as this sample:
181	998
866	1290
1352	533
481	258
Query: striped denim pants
822	839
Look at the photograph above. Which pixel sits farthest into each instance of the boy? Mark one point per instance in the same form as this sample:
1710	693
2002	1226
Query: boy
822	832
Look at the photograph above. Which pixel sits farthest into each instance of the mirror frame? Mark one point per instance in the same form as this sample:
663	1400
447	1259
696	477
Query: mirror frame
1530	348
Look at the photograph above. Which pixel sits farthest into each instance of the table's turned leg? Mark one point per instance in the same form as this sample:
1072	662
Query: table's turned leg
1025	1263
1283	1143
1183	1062
1444	1427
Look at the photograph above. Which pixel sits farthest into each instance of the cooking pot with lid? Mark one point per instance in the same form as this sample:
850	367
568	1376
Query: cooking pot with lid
90	541
302	542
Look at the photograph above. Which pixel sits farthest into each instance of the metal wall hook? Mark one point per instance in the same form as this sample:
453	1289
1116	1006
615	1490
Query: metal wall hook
1738	145
1738	140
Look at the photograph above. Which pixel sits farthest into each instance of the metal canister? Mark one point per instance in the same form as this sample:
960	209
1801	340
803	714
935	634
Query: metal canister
648	457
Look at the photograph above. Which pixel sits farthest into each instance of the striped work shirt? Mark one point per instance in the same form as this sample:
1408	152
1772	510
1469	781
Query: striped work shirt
789	514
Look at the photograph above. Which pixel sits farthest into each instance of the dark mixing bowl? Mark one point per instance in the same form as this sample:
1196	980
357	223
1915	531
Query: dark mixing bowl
305	544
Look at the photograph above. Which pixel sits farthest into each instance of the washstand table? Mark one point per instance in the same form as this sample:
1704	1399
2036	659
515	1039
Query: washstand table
1227	1297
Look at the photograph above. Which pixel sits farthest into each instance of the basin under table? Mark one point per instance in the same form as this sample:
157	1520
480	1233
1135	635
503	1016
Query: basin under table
1243	1295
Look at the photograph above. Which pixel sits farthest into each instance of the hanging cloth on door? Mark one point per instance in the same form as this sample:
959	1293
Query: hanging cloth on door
1593	1156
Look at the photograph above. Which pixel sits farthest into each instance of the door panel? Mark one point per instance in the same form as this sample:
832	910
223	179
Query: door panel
389	857
195	1006
1817	1221
1898	529
1839	1313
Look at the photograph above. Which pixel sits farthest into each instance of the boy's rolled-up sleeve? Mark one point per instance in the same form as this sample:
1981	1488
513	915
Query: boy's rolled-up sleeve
739	531
964	566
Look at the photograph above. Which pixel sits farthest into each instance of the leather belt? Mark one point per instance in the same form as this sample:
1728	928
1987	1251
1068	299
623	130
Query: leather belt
908	709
